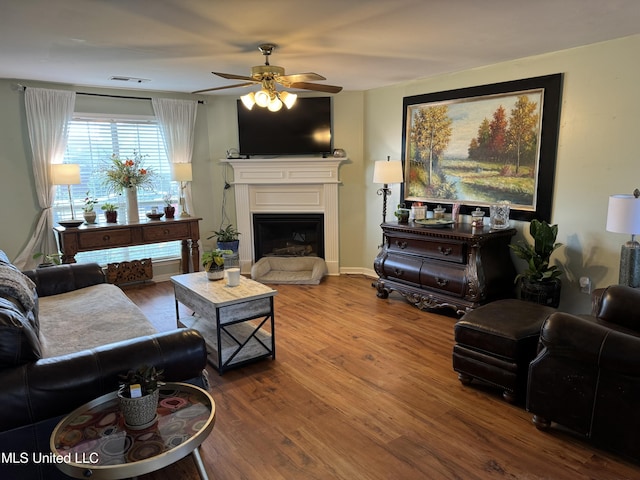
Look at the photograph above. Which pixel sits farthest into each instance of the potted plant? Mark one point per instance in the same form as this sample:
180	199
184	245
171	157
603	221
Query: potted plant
87	209
227	238
402	213
48	259
169	209
138	396
213	263
110	212
540	282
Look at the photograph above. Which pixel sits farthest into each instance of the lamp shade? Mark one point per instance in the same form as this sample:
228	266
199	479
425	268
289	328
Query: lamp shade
181	172
623	215
65	174
387	171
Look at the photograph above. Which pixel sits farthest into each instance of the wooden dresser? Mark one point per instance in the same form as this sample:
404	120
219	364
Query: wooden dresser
457	267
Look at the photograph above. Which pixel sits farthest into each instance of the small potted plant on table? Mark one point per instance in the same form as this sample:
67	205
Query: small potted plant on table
169	209
227	238
213	263
110	212
87	209
138	396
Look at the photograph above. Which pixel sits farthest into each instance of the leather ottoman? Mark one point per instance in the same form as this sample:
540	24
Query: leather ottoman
496	342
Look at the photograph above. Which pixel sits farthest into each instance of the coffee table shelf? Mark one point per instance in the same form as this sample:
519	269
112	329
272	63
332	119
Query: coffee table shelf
236	322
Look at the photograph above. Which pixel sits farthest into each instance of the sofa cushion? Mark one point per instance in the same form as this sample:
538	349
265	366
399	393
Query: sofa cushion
87	318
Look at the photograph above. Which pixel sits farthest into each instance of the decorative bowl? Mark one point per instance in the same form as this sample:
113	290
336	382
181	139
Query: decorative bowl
155	216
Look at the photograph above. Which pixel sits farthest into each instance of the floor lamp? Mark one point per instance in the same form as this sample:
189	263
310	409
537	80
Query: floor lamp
66	174
623	216
386	172
181	172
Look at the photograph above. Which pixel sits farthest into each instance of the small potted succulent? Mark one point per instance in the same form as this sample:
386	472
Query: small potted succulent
402	213
213	263
110	212
138	396
48	259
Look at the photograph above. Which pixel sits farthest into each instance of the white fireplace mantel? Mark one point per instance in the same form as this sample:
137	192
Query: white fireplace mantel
287	185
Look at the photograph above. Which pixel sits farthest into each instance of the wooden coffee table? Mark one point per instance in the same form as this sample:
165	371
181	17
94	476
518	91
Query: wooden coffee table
236	322
93	442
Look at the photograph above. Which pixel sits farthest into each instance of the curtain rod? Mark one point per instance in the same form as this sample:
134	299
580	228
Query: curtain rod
23	87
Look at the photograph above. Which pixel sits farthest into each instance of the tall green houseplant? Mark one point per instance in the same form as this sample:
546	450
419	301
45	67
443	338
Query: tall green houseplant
540	281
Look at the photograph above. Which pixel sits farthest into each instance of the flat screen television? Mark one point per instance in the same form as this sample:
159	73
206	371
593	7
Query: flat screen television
305	129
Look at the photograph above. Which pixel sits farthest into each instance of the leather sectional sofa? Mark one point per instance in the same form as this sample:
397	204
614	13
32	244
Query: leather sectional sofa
54	357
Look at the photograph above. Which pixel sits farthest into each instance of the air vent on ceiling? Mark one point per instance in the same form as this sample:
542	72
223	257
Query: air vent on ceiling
129	79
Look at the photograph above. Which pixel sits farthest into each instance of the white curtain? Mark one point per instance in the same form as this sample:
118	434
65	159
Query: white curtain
48	115
178	120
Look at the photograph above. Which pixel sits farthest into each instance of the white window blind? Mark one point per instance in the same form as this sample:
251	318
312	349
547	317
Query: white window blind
92	141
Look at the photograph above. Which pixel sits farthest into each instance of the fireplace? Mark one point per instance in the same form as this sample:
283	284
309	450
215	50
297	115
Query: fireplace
287	185
288	235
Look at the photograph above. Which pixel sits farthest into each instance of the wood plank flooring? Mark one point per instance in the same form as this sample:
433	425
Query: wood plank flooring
363	388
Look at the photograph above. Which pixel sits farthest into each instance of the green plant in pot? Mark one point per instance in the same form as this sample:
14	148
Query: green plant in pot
48	259
110	212
540	282
402	213
213	263
227	238
138	396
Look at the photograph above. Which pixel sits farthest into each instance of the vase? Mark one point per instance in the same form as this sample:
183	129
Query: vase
215	272
89	217
169	211
111	216
139	412
133	216
543	293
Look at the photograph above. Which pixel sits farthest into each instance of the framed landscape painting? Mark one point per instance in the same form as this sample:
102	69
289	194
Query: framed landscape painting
482	145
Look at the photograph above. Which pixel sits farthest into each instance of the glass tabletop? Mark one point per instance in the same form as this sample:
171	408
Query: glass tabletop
94	439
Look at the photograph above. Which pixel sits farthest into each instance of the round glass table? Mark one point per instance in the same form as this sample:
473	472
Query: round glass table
93	442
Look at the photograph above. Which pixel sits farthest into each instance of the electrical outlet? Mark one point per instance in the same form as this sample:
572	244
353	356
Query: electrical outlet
585	284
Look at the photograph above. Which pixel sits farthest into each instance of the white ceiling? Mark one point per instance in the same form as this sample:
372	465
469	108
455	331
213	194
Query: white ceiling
358	44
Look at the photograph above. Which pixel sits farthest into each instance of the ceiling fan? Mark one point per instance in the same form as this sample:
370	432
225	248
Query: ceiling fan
268	76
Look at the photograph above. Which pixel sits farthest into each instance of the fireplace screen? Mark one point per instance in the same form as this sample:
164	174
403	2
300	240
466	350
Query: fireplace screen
288	234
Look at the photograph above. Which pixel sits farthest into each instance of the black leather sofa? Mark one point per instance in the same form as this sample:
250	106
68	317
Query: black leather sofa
35	393
586	376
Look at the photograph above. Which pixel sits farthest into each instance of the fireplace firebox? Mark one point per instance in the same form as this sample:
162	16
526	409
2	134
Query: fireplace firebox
288	234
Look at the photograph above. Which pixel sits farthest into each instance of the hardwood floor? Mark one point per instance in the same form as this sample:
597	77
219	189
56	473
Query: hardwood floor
363	388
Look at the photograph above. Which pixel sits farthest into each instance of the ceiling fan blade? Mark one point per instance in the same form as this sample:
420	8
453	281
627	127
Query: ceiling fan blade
301	77
237	85
317	87
232	76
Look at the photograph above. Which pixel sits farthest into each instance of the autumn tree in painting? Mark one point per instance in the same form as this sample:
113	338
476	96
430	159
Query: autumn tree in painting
521	135
430	135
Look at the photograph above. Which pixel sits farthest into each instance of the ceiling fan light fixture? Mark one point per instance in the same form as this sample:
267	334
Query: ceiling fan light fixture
248	100
262	98
289	99
274	105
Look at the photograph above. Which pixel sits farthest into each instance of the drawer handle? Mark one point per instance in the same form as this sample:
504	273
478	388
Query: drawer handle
166	231
398	272
442	282
400	244
444	251
106	238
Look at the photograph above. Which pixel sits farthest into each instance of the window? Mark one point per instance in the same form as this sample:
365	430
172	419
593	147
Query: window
92	141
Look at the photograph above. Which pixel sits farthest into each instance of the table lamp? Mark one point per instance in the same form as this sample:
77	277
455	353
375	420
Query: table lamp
623	216
181	172
386	172
66	174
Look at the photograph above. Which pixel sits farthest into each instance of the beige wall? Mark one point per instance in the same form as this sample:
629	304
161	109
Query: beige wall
597	156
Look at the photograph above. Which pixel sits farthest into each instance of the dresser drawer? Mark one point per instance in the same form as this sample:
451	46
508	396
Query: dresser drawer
169	231
97	240
443	276
448	250
401	267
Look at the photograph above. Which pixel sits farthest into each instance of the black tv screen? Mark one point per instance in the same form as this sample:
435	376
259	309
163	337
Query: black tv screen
305	129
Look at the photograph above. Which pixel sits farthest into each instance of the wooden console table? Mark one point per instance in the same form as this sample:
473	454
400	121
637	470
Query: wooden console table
87	238
457	267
